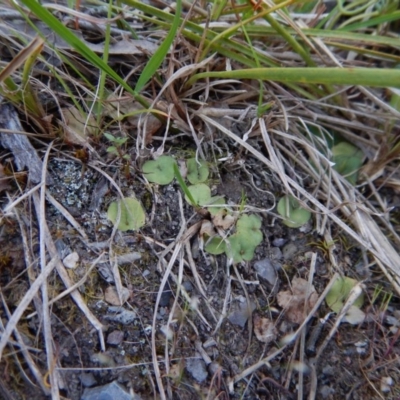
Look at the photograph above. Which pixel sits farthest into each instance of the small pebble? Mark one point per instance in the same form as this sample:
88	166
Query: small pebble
214	368
145	273
242	314
115	337
87	379
289	251
110	391
266	270
386	383
392	321
124	317
276	253
197	368
326	391
111	296
279	242
71	260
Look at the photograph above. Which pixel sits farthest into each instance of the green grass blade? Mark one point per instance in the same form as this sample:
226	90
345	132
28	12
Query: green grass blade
158	57
217	9
374	77
232	49
48	18
381	19
183	186
285	34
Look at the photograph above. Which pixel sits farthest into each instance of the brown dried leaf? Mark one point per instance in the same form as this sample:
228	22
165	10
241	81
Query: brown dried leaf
127	108
264	329
223	220
77	127
207	229
293	301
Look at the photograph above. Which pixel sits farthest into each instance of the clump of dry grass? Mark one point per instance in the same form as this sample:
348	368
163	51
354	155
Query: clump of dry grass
264	84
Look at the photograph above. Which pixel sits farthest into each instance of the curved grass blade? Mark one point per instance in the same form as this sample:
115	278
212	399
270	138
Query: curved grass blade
158	57
183	186
381	19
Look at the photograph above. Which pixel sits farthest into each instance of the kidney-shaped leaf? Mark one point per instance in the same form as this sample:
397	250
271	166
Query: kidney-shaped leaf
241	247
215	245
197	171
248	227
293	214
348	160
132	214
160	171
200	192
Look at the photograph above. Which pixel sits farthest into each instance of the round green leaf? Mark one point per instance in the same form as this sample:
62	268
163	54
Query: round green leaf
249	226
248	222
348	160
197	171
340	292
160	171
132	214
216	245
201	193
294	215
241	248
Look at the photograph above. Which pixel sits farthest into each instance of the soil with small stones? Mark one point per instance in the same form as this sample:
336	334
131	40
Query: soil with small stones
360	362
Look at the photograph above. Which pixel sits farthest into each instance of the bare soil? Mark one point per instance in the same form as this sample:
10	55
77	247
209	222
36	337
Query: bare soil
354	364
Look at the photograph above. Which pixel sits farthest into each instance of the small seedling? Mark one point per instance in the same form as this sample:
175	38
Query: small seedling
132	215
340	292
116	147
248	236
160	171
238	247
293	214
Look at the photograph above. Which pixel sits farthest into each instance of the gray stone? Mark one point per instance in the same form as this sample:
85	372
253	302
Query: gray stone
242	314
146	272
279	242
276	253
326	391
266	269
122	316
197	368
87	379
289	251
115	338
111	391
